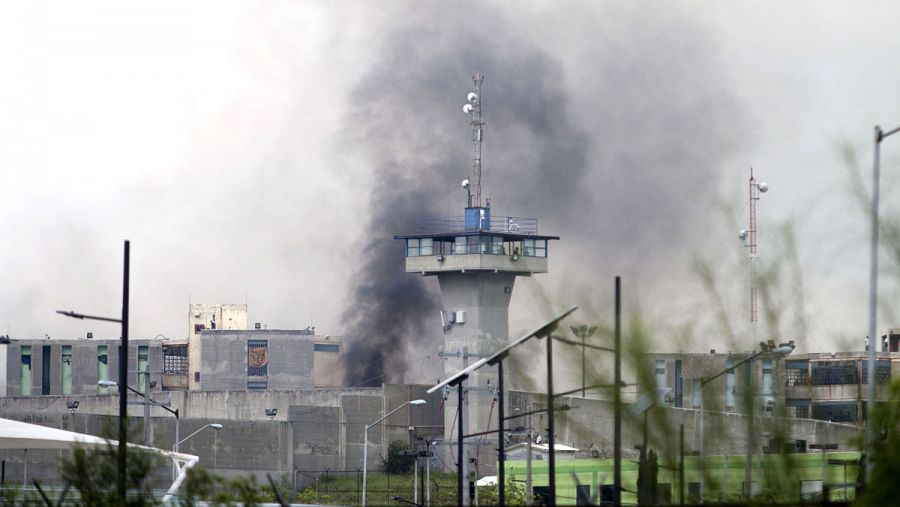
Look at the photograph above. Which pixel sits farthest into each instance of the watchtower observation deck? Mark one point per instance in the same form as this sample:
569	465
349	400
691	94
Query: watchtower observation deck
476	242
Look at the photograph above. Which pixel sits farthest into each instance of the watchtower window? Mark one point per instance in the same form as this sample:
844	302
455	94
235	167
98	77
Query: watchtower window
419	246
478	245
534	247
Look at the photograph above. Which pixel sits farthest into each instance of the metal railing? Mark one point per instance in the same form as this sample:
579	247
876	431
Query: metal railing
512	225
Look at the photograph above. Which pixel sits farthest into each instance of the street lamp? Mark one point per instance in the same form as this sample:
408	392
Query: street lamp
765	349
871	431
123	370
366	442
147	402
215	426
583	332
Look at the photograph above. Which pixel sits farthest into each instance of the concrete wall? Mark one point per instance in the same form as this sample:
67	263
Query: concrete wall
240	448
84	364
484	297
589	426
328	367
224	359
4	367
314	429
202	316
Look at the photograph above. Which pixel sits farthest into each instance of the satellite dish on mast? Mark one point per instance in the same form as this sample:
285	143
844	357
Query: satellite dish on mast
743	234
468	108
465	183
472	97
763	187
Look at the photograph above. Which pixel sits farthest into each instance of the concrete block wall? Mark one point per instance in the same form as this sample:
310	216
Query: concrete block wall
223	364
84	364
590	426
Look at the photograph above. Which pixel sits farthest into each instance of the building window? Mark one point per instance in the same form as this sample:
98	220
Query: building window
143	367
835	411
326	347
102	367
696	393
66	375
25	378
175	360
829	373
660	371
419	247
534	247
882	371
45	369
796	373
257	358
767	377
797	407
730	381
460	245
257	384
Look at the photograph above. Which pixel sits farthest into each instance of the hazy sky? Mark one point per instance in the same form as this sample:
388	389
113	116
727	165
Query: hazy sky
214	137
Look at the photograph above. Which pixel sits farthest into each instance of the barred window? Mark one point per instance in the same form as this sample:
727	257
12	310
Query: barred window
797	407
258	358
829	373
796	373
175	360
882	372
835	411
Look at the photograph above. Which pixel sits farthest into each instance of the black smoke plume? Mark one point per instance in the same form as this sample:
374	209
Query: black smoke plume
589	134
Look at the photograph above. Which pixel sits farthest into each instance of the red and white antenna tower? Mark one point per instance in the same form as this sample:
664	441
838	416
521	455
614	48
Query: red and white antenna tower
473	107
749	238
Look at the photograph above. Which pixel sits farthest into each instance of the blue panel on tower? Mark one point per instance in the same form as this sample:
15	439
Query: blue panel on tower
478	219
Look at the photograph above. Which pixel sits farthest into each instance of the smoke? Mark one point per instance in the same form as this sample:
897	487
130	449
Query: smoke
596	136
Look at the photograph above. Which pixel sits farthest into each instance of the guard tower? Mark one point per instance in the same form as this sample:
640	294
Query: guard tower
476	258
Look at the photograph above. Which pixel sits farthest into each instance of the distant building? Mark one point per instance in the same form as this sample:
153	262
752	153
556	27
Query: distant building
212	317
256	359
682	373
63	367
825	386
832	386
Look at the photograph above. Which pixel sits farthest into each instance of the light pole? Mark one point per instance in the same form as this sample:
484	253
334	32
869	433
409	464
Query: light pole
583	332
215	426
766	349
871	431
123	372
147	402
366	442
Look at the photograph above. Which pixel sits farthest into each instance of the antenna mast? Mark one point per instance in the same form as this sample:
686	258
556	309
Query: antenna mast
477	138
751	243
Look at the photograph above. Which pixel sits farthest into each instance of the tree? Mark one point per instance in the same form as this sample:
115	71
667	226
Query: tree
396	463
93	473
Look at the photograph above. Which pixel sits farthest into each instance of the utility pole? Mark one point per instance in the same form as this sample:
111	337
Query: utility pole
871	430
617	421
123	381
583	332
